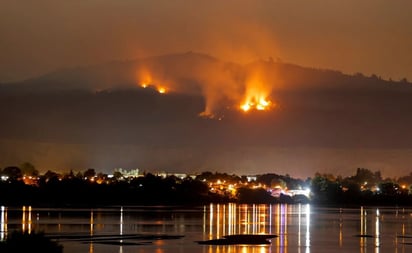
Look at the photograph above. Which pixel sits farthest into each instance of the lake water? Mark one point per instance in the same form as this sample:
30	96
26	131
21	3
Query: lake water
300	228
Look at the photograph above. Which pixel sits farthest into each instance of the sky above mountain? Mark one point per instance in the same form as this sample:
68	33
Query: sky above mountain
371	36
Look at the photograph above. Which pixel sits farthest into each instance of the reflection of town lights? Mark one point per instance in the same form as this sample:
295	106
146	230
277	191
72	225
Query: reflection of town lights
377	229
307	226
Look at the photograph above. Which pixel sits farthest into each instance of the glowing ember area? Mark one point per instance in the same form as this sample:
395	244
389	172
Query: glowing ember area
207	115
256	93
263	104
245	107
145	81
161	90
260	104
144	77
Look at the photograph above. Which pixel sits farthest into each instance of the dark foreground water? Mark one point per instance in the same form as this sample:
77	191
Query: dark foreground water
300	228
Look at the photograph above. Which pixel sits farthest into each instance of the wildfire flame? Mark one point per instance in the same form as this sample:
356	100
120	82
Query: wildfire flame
256	95
260	104
247	95
145	80
161	90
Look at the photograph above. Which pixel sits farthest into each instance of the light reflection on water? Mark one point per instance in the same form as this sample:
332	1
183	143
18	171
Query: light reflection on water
3	221
299	228
261	219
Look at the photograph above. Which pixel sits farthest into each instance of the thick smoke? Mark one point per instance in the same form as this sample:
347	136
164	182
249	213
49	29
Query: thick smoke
223	85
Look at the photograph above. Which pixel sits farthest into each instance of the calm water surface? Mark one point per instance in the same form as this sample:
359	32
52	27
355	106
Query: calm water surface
300	228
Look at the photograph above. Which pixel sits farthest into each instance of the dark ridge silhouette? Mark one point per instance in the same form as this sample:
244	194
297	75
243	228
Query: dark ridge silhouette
185	71
104	105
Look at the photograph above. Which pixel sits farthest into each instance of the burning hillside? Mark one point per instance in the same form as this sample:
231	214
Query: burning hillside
222	85
61	118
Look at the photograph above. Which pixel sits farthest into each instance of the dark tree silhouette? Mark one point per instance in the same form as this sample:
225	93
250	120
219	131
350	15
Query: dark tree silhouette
28	169
13	172
89	173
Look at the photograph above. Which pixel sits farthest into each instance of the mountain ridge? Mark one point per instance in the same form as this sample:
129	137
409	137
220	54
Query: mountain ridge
107	125
121	74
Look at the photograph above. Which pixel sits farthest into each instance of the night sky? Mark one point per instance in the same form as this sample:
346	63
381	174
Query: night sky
324	121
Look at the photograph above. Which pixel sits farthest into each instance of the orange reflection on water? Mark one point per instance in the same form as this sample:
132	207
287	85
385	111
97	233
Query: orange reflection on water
365	235
257	219
26	220
91	246
237	249
377	230
91	223
234	219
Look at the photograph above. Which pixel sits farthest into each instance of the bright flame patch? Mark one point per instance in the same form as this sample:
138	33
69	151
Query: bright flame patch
161	90
254	103
146	80
256	94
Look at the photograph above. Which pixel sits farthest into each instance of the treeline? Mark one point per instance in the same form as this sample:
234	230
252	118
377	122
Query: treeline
91	189
364	188
25	186
75	191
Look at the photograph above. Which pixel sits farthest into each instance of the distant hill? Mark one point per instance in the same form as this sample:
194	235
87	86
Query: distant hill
119	74
106	105
188	70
